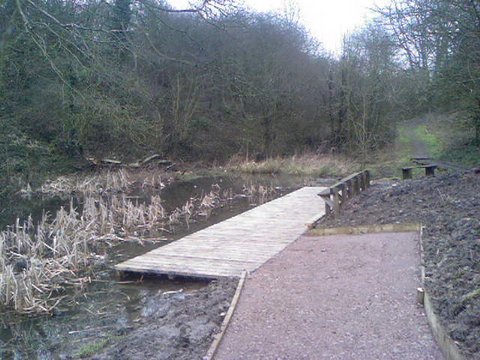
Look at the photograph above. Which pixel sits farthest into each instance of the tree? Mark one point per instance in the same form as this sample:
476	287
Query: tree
366	71
441	40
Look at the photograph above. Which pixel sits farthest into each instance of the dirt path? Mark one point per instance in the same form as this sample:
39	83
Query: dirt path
417	145
336	297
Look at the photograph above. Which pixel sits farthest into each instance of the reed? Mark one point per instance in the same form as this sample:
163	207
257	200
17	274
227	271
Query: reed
259	194
213	199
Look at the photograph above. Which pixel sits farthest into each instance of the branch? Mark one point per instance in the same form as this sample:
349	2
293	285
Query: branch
166	57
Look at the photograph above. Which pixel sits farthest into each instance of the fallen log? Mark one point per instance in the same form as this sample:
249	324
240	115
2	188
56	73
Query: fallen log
111	162
150	159
137	164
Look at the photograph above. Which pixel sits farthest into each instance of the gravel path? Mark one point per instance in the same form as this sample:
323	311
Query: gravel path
335	297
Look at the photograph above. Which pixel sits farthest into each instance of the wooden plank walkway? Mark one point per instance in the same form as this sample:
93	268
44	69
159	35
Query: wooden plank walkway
243	242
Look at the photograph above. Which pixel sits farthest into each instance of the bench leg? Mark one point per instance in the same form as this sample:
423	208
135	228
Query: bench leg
406	174
430	171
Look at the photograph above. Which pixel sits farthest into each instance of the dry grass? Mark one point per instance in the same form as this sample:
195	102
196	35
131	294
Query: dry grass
37	259
306	164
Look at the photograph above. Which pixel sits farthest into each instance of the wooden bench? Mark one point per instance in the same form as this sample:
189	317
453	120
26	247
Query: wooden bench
429	170
421	160
336	195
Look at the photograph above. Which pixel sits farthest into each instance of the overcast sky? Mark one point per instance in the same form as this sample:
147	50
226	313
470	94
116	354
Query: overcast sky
327	20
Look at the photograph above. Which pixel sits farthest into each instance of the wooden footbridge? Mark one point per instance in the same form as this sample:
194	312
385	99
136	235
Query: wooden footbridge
241	243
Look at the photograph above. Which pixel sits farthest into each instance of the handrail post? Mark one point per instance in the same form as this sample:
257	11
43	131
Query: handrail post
362	181
356	185
328	207
346	190
336	202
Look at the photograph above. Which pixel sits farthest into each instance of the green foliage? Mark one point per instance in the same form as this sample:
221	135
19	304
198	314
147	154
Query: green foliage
403	145
367	69
147	80
468	155
128	78
93	348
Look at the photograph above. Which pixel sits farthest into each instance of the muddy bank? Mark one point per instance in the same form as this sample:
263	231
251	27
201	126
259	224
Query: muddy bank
173	325
449	208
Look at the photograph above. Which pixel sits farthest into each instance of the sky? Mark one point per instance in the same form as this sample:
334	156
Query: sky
327	20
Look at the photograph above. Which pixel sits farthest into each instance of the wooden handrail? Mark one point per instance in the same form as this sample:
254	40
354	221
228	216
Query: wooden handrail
338	194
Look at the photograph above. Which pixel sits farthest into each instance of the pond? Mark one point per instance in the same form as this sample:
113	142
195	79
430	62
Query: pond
109	306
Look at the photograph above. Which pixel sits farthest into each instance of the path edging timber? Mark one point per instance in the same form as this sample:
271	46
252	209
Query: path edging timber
226	321
448	347
364	229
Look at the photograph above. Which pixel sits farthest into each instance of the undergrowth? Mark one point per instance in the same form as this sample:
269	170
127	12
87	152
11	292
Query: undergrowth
466	154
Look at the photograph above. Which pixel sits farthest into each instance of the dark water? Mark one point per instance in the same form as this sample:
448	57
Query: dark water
108	307
23	207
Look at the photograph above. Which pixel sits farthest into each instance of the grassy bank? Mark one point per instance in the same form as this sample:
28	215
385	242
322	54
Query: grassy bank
306	164
455	138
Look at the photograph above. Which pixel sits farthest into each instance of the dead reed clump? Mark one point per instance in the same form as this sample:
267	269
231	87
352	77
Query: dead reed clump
202	206
153	181
34	260
185	212
102	182
210	201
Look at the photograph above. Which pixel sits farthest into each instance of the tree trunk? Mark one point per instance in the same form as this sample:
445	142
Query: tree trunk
342	111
